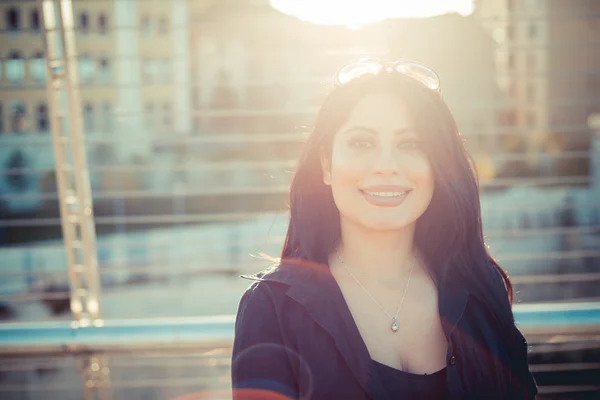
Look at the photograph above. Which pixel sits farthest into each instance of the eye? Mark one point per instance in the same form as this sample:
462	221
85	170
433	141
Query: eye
360	143
411	144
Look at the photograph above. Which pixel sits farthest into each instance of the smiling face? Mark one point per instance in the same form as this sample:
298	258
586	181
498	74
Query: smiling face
379	174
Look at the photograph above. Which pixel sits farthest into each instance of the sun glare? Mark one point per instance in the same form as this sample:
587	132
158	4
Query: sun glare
362	12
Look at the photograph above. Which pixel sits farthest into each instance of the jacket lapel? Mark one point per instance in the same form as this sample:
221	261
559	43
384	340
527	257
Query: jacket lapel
452	301
313	286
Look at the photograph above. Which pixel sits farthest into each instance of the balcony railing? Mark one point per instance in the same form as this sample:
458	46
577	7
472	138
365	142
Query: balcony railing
191	357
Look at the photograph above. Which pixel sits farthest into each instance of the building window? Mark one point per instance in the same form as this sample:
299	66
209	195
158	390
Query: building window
593	84
88	117
167	115
17	118
35	20
165	70
37	68
150	70
146	26
511	61
163	25
86	68
513	90
13	20
150	116
18	181
531	120
510	32
533	4
532	31
531	61
531	91
15	68
104	71
102	24
42	118
107	118
507	118
84	22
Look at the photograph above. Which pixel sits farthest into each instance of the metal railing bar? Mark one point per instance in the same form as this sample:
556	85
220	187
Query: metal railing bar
326	82
157	272
224	360
239	139
232	216
125	336
21	365
119	336
282	189
549	255
145	219
236	165
558	367
549	389
501	233
121	266
205	166
555	278
212	217
198	381
218	191
171	382
28	297
510	206
541	348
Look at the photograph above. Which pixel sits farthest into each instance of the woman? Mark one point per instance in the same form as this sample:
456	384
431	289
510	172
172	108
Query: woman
385	288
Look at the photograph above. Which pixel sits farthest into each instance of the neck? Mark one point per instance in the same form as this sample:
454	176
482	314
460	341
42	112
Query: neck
378	256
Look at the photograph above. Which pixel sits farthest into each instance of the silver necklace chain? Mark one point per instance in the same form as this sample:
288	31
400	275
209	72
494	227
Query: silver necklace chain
394	318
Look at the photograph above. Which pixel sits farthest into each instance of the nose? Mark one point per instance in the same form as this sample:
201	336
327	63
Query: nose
386	163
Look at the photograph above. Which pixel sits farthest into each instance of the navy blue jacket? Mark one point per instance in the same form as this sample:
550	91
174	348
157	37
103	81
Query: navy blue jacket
296	338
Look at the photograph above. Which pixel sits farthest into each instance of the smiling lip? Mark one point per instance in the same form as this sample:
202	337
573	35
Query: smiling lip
386	196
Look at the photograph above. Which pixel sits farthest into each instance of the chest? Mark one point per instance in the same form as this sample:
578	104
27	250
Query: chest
419	346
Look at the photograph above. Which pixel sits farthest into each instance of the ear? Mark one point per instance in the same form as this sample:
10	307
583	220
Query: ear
325	167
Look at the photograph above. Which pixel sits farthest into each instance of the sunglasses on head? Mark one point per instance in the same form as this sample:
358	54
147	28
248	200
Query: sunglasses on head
369	66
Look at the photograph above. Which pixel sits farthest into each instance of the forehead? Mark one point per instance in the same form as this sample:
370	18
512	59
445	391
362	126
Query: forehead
380	111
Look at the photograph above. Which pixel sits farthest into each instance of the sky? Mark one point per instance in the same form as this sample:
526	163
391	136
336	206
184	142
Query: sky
362	12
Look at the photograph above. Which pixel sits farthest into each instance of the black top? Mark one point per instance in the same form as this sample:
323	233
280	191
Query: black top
406	385
295	336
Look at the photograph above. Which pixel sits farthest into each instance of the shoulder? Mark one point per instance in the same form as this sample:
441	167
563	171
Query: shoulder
268	288
288	289
265	286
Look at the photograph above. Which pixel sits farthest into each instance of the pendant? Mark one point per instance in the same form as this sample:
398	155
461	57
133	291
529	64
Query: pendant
394	325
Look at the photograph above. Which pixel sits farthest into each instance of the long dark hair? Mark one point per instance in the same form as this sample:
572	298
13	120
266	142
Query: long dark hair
448	235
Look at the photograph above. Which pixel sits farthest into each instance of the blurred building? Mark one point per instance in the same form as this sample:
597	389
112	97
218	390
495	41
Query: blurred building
259	76
201	106
462	54
547	58
129	56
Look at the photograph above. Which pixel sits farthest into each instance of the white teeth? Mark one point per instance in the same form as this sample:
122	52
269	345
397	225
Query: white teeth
386	194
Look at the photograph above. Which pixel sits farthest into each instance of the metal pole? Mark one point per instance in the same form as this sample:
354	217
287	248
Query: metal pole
72	174
72	177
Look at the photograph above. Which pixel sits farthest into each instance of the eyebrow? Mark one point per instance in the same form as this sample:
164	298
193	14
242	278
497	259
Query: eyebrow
398	132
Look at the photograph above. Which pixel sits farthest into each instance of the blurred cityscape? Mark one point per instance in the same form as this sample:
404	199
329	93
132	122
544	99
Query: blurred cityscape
194	112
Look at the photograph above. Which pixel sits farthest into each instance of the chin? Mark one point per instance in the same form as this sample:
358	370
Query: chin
386	225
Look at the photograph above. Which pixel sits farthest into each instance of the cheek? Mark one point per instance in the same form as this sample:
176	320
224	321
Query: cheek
420	174
420	171
345	170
